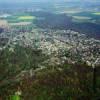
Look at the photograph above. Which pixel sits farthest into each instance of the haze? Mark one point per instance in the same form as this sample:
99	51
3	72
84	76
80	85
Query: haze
47	0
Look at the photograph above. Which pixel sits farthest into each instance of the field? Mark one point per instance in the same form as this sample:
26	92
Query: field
18	19
22	18
97	13
26	17
79	14
20	23
81	17
3	23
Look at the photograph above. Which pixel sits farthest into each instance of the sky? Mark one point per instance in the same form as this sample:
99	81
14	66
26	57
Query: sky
44	0
33	0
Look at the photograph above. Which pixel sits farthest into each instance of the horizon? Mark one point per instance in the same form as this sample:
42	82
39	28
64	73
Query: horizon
28	1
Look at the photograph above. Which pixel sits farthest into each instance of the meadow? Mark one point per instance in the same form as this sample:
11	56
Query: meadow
26	17
97	13
20	19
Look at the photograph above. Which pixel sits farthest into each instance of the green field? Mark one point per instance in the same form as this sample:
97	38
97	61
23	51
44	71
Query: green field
20	18
26	17
82	18
97	13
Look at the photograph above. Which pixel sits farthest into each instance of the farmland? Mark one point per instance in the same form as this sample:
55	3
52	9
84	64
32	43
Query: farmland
20	23
26	17
97	13
19	17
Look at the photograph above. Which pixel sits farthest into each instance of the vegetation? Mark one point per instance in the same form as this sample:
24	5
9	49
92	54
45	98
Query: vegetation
97	13
62	21
81	17
20	18
12	63
24	70
71	83
66	82
26	17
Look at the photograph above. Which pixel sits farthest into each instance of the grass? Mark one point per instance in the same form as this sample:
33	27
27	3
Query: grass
81	17
26	17
20	23
20	18
97	13
15	97
70	11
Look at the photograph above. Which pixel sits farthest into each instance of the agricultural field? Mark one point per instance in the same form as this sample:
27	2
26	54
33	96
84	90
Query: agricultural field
26	17
19	19
79	14
81	19
90	17
20	23
97	13
3	23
